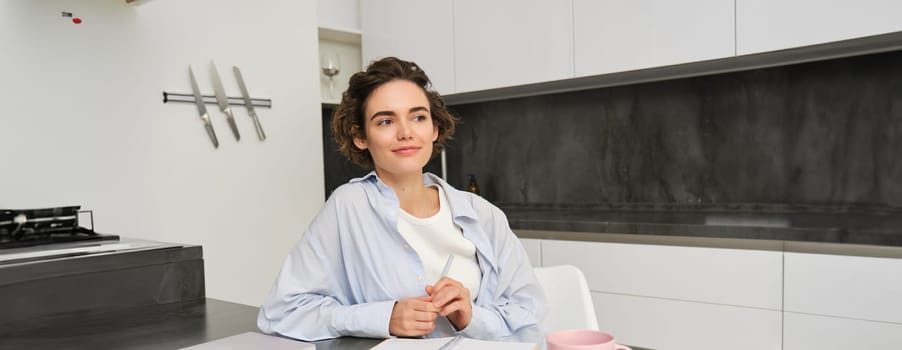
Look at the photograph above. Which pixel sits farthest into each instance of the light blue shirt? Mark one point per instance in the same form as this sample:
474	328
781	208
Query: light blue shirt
351	266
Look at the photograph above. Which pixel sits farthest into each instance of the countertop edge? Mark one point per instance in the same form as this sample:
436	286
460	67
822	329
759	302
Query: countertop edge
160	253
846	249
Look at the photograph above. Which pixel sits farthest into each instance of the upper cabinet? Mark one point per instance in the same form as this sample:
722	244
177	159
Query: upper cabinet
413	30
768	25
477	50
621	35
511	42
341	15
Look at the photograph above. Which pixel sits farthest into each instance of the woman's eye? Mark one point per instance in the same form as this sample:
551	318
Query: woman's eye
420	118
384	122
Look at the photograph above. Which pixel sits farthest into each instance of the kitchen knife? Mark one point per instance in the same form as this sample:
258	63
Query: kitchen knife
248	104
202	109
223	100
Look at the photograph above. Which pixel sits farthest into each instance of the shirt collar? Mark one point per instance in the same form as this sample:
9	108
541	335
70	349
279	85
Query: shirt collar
458	203
364	177
460	207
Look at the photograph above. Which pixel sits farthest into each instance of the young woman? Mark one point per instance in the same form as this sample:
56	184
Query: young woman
399	252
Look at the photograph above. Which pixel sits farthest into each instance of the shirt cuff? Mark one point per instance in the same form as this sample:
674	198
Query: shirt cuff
479	327
368	320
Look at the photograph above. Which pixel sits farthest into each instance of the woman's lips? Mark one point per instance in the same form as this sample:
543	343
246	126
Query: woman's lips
406	151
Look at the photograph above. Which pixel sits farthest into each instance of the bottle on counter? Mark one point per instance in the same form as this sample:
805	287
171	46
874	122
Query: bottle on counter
473	186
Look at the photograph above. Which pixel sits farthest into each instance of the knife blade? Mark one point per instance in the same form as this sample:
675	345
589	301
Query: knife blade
202	109
223	101
247	103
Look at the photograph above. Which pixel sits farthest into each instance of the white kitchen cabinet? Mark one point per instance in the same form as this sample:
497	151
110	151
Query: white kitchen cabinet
533	250
682	297
751	278
511	42
343	15
768	25
805	332
680	325
413	30
856	287
621	35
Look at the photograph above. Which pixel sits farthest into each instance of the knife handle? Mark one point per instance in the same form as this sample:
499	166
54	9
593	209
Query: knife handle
212	135
231	119
260	134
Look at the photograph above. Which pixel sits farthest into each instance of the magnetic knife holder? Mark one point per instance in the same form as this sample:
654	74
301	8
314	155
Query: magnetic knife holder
211	99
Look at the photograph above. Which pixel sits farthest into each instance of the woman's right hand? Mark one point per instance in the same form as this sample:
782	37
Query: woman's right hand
413	317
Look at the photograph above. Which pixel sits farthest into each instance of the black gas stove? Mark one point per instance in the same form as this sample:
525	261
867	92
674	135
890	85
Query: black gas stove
28	227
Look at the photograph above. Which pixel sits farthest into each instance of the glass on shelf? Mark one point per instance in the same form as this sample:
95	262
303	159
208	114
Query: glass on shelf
330	64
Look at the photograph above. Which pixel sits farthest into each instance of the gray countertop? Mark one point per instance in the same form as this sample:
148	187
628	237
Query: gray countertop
754	230
169	326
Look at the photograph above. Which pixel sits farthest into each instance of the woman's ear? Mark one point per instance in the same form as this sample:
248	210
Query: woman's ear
359	142
434	133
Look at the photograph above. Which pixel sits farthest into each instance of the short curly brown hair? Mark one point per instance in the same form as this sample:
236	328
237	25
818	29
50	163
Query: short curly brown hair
348	119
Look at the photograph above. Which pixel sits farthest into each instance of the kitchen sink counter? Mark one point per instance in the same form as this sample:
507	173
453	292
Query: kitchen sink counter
741	228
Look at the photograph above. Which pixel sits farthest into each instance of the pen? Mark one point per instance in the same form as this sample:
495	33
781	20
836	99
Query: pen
448	265
453	342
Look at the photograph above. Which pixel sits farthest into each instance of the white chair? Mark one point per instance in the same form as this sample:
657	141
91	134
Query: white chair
569	302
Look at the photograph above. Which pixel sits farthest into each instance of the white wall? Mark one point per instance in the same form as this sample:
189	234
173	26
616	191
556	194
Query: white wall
83	123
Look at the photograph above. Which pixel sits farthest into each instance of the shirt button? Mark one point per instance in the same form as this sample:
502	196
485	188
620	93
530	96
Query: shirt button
406	246
420	278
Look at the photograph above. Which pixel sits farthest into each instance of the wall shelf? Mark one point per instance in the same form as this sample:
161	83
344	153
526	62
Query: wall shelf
346	36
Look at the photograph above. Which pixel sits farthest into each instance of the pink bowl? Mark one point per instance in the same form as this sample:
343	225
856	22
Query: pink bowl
582	339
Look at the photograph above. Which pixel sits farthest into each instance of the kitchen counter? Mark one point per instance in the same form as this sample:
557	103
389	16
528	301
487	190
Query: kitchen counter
92	276
877	227
170	326
167	326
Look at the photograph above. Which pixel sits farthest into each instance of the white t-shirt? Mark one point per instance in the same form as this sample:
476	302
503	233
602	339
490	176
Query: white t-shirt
434	239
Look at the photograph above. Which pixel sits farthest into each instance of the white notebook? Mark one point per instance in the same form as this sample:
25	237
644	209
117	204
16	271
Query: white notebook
437	343
253	340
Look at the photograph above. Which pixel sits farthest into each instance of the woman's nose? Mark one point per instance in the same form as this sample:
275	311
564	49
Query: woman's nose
404	130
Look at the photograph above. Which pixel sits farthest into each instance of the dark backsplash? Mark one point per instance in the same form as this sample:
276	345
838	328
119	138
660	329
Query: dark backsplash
816	134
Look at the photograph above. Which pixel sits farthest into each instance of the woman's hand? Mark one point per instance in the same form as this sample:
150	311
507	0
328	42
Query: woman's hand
413	317
453	301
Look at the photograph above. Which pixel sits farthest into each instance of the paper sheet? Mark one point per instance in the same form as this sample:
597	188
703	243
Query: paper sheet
253	340
436	343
